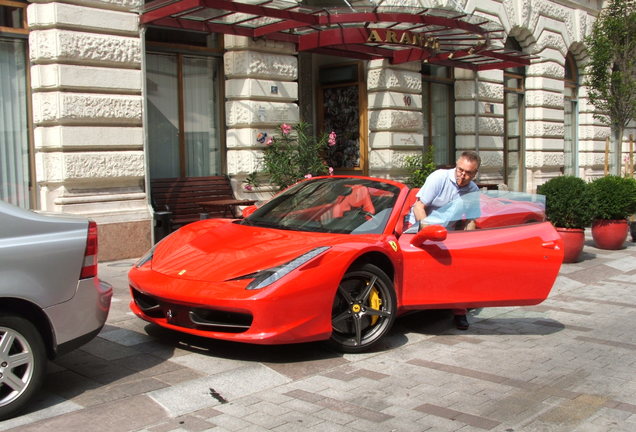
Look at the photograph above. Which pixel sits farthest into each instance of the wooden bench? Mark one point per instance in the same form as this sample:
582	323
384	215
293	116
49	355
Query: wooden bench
188	199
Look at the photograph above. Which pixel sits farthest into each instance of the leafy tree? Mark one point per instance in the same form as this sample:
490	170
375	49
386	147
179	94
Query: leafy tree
611	73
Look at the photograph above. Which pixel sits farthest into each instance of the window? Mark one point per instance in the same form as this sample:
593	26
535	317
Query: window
184	109
438	109
514	119
14	127
13	17
571	114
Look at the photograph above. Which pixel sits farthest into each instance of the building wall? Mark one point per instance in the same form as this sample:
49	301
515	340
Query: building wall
549	30
261	92
395	116
87	93
545	29
87	117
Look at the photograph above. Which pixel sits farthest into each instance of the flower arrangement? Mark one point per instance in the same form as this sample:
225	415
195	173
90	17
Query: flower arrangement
251	181
295	154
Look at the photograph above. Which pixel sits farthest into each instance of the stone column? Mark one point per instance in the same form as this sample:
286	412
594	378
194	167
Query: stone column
592	133
592	139
395	116
544	122
87	117
261	92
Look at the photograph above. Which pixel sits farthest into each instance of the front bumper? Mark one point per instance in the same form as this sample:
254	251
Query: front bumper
292	312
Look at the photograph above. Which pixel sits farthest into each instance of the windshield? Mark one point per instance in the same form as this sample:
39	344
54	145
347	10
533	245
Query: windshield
330	205
489	209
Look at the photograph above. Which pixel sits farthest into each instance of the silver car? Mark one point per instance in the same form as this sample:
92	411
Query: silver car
51	300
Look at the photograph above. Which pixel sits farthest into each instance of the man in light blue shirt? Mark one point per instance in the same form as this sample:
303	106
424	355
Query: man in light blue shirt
446	185
442	187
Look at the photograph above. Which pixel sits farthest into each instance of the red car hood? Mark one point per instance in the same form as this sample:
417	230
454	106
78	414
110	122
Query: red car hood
218	250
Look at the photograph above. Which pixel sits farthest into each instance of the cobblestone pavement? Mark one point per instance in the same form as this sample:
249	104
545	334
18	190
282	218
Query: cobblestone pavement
568	364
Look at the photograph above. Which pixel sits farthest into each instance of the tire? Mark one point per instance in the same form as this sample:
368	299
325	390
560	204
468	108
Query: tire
22	363
363	310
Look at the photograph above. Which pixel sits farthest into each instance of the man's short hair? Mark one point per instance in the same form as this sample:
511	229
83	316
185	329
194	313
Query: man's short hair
471	156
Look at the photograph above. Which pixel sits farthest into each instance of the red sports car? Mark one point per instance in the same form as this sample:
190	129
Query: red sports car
333	258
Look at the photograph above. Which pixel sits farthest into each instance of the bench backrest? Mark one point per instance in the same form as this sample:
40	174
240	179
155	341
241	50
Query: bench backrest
182	195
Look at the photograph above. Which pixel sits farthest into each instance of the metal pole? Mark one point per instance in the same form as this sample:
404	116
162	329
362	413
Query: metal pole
477	111
607	141
630	164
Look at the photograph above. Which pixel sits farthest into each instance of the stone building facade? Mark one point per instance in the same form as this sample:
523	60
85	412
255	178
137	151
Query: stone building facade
90	111
87	105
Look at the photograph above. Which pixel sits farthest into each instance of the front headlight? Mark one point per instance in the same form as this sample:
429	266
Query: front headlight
146	257
267	277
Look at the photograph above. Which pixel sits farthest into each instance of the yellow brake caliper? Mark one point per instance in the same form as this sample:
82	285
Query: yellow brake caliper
375	302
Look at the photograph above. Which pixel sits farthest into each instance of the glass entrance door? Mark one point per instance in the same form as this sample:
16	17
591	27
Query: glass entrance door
342	105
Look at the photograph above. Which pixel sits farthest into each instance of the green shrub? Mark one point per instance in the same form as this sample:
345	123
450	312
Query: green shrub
295	154
569	202
615	197
419	167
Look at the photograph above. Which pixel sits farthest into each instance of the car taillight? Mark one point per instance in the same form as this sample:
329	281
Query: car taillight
89	267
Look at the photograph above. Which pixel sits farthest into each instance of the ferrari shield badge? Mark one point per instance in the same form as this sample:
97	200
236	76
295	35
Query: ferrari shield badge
394	245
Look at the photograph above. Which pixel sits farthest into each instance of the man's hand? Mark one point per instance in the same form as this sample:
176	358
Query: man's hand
419	211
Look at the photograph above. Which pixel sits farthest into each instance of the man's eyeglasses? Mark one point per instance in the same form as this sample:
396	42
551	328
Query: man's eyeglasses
463	172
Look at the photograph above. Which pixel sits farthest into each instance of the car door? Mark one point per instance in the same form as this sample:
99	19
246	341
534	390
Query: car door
503	266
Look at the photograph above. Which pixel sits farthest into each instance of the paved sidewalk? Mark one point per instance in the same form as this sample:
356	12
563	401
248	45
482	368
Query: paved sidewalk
568	364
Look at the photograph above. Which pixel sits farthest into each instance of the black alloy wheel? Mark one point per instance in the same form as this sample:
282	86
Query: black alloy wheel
363	309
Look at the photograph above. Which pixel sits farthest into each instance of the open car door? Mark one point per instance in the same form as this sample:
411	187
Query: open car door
513	260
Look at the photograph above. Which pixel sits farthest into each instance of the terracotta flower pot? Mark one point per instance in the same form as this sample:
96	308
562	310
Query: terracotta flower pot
609	234
573	242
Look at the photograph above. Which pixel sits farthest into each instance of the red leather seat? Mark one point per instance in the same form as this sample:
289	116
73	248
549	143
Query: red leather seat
358	198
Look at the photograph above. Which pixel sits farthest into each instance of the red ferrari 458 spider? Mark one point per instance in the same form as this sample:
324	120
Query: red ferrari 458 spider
333	258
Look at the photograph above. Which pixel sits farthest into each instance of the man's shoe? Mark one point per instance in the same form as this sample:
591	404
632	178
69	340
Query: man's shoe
461	322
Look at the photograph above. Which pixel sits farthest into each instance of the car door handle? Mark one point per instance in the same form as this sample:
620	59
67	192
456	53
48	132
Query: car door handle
550	245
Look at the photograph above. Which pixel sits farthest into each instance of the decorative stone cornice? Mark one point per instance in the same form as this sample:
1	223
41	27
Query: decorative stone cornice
66	46
68	167
252	64
394	80
247	113
78	108
395	120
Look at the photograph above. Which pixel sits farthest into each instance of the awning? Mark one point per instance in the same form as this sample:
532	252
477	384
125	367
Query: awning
372	31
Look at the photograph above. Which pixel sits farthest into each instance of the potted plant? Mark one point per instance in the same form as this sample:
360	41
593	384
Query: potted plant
570	208
615	200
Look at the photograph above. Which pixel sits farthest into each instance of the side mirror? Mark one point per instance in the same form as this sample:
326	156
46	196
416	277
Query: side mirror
430	232
248	210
